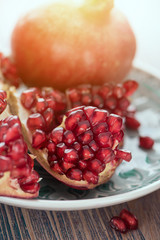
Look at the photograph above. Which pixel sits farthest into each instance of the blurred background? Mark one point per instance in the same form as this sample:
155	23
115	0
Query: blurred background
143	15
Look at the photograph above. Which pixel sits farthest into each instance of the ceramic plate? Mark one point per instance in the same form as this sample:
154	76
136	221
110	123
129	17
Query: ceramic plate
130	181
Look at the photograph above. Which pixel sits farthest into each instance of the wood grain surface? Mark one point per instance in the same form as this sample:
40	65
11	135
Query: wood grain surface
18	223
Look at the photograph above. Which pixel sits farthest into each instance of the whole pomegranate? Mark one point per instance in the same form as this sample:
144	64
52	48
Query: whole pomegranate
63	45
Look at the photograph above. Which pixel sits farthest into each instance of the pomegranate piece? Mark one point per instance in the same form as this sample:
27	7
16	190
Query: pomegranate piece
83	151
132	123
111	97
130	220
146	142
118	224
18	179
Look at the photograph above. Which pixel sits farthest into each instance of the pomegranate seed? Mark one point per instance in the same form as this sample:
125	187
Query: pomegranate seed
89	111
96	166
105	91
18	148
123	154
129	219
86	137
28	98
5	163
57	135
75	174
77	146
118	224
105	155
146	142
49	118
73	118
20	172
99	116
51	146
82	164
3	105
87	153
35	121
104	139
38	139
90	177
51	103
118	136
3	148
11	120
32	178
13	133
54	165
101	127
97	101
114	123
132	123
30	188
74	95
41	105
70	155
60	149
68	138
66	165
110	103
118	91
82	127
130	86
3	94
123	103
93	146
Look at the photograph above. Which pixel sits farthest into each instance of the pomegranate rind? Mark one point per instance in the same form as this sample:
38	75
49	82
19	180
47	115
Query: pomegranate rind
41	155
9	186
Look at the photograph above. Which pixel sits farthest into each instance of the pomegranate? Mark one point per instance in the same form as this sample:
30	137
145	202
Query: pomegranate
17	176
83	151
118	224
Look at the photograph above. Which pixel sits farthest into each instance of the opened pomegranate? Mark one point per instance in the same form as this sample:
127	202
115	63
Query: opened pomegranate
83	151
17	177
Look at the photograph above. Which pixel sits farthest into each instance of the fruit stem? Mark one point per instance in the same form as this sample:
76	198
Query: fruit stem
97	9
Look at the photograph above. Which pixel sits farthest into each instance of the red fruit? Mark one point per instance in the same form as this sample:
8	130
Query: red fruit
146	142
3	102
118	224
130	220
63	55
125	155
132	123
130	87
18	179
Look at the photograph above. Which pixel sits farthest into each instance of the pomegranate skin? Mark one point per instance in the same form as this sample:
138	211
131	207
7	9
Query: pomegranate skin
62	52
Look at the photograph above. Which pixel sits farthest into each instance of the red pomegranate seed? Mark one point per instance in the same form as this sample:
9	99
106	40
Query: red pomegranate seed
101	127
118	91
74	95
18	148
114	123
105	155
130	220
68	138
51	103
13	133
38	139
123	103
82	164
104	139
97	101
89	111
99	116
132	123
75	174
123	154
19	172
118	224
146	142
28	98
130	86
54	165
96	166
77	146
41	105
30	188
51	146
3	104
86	99
110	103
3	94
3	148
11	120
35	121
118	136
93	145
105	91
90	177
73	119
86	153
57	135
86	137
70	155
60	149
82	127
66	165
32	178
5	163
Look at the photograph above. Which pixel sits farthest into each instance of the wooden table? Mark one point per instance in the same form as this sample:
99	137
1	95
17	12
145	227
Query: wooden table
18	223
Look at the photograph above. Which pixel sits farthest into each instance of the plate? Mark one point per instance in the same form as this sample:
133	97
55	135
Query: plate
131	180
